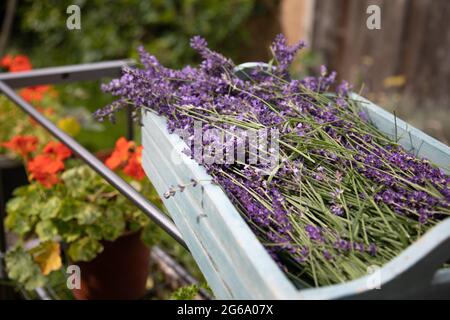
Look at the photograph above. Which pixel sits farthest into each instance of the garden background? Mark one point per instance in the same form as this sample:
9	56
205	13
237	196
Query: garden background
392	62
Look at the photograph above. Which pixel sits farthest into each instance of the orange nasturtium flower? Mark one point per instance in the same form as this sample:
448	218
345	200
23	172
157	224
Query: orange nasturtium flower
16	63
58	150
6	61
128	155
120	154
20	63
45	167
134	165
23	145
34	94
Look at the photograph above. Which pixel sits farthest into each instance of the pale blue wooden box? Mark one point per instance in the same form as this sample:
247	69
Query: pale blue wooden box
234	262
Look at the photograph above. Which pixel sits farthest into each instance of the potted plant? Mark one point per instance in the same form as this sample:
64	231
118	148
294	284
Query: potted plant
14	122
16	127
70	213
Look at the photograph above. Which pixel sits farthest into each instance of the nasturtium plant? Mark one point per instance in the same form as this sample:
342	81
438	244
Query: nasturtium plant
19	133
186	292
81	211
23	268
14	122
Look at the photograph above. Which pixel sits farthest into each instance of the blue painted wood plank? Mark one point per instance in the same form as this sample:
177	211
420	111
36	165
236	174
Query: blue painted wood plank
200	255
197	225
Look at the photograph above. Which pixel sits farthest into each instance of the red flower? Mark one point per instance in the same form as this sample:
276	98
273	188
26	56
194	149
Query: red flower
20	63
128	155
57	149
134	165
23	145
48	180
44	168
6	61
120	154
34	94
45	163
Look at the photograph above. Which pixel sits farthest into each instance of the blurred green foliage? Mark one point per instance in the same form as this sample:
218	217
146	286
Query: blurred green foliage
185	293
114	29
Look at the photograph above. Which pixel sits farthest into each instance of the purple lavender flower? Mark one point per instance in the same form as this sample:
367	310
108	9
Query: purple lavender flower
314	233
372	249
320	174
283	53
336	193
358	246
327	255
337	209
343	88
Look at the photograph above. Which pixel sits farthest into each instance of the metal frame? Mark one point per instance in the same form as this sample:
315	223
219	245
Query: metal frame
83	72
92	71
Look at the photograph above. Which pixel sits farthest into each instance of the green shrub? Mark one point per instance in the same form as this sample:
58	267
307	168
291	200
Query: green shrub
113	30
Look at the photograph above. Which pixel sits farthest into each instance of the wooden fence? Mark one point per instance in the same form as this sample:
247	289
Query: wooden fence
413	42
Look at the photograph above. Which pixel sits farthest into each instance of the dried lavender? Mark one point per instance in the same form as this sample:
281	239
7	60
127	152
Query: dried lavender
343	197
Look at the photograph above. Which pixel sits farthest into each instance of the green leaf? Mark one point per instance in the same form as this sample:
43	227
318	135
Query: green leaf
15	204
22	191
27	200
185	293
51	208
69	209
46	230
149	236
17	219
88	214
84	249
22	268
112	224
93	231
68	231
137	219
16	223
79	181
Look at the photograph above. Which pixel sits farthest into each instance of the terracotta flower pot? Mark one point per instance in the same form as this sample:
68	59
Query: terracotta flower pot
119	272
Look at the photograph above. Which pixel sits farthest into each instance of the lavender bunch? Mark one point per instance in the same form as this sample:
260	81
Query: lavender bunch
343	196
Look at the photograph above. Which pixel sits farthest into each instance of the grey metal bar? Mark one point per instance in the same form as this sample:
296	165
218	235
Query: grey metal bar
42	294
142	203
64	74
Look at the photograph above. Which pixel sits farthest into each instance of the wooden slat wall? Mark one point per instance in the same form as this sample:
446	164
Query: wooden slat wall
414	41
